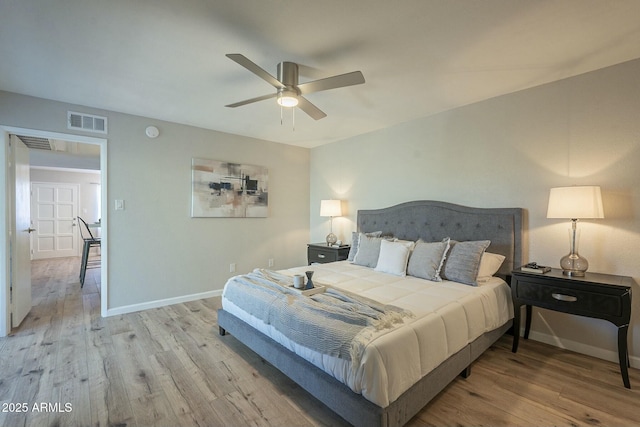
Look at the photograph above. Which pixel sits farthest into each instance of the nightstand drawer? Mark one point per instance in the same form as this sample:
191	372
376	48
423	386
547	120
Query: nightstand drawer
322	256
576	301
319	253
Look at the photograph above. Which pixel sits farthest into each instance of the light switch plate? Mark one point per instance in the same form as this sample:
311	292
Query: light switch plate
119	205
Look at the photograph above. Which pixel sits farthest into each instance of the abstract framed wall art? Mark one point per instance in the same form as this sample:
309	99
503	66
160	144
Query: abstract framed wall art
222	189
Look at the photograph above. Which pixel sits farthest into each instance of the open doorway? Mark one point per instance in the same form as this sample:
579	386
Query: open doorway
65	196
67	154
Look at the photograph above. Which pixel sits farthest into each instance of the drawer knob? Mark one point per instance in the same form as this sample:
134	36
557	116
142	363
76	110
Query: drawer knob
321	256
562	297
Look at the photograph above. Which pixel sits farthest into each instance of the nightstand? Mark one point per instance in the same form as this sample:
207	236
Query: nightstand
601	296
320	253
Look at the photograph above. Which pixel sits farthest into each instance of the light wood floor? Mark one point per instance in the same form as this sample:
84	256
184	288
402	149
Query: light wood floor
169	367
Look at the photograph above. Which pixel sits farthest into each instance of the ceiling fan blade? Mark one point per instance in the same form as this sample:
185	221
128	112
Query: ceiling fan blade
342	80
252	100
255	69
313	111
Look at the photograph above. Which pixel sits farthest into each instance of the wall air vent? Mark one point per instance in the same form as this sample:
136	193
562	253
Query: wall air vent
86	122
35	142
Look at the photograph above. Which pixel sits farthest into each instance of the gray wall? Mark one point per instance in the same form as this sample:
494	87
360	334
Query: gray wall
156	250
508	152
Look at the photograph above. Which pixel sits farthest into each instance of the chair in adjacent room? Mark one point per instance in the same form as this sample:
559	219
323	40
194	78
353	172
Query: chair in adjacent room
89	242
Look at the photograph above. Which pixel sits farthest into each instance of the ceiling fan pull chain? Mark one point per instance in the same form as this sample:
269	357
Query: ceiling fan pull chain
281	121
293	119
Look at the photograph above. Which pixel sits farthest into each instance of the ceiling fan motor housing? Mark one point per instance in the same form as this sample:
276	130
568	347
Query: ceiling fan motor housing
288	75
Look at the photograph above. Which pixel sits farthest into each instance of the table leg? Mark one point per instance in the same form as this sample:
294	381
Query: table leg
527	322
516	327
623	354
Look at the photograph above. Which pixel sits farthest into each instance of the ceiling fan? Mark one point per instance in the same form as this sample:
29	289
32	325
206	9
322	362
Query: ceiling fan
288	91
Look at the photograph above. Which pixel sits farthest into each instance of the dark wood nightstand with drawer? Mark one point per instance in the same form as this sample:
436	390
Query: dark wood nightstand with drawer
601	296
321	253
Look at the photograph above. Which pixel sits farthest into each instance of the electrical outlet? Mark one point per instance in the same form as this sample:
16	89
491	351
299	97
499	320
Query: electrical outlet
232	267
270	262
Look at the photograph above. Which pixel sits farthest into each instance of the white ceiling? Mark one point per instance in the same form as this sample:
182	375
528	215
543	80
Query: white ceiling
165	59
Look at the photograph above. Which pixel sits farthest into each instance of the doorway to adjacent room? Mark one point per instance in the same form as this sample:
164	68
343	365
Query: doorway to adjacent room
61	230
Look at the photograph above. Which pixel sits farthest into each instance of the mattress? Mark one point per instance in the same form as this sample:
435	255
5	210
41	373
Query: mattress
447	317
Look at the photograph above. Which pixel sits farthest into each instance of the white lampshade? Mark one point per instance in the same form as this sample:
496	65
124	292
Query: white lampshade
331	208
578	202
575	203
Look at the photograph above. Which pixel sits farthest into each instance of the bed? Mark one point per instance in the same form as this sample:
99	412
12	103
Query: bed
391	397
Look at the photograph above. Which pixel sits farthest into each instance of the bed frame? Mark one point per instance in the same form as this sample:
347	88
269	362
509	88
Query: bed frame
431	221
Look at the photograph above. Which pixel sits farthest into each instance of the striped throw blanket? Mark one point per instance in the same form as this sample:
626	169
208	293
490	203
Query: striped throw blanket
334	322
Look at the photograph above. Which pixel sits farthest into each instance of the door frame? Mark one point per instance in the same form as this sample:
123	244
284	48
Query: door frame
5	227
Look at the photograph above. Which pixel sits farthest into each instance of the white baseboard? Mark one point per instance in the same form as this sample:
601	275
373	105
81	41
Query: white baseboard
578	347
161	303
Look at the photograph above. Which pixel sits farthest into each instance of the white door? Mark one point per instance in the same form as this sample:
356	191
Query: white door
54	207
20	277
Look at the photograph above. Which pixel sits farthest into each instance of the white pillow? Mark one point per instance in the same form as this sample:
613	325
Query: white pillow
489	265
394	256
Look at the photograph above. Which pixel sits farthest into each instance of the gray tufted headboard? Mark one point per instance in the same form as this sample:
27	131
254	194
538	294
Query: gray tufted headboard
432	221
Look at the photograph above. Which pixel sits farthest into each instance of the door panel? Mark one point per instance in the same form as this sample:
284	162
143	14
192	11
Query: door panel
55	206
20	256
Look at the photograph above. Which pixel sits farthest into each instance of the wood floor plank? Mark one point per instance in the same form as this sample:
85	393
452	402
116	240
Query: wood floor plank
153	410
177	402
170	367
99	346
184	388
564	392
113	389
15	378
532	413
460	408
68	404
134	366
160	326
227	412
272	408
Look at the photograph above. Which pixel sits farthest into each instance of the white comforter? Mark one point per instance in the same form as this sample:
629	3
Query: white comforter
448	316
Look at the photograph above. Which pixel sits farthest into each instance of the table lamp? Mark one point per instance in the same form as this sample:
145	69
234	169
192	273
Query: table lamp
331	208
578	202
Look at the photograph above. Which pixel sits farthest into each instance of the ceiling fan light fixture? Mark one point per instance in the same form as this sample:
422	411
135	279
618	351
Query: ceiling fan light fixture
287	98
289	92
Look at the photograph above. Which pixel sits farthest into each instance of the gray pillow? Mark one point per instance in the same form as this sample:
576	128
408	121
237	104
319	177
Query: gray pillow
355	240
427	258
463	261
368	251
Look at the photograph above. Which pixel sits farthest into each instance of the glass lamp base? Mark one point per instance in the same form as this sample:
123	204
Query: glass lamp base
574	265
331	239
